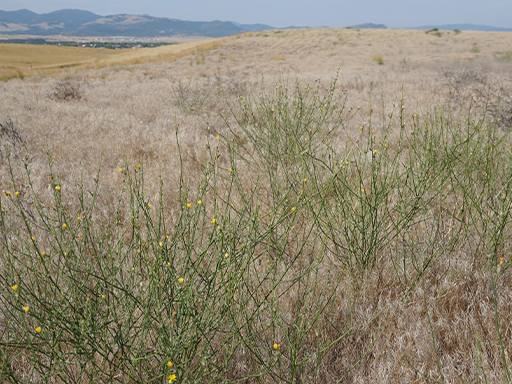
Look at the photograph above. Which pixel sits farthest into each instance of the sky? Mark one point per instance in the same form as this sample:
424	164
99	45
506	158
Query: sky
283	13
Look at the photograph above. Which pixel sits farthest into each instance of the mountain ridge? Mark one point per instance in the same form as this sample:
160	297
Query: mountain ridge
80	23
369	26
74	22
465	27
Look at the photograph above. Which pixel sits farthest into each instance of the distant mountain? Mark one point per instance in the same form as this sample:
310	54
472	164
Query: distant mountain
73	22
253	27
369	26
465	27
295	27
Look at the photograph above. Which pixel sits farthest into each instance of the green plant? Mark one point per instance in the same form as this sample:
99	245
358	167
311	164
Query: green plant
504	56
378	58
434	31
258	270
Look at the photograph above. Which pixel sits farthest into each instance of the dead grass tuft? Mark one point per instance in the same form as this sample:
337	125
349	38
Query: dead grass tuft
67	90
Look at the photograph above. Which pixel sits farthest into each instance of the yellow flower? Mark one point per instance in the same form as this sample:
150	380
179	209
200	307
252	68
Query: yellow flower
305	180
121	170
169	364
43	253
226	255
38	329
102	296
8	193
64	226
374	151
168	263
26	309
188	205
161	244
138	166
277	347
293	209
229	169
199	202
172	378
14	287
149	205
213	221
57	187
218	137
180	280
17	193
33	238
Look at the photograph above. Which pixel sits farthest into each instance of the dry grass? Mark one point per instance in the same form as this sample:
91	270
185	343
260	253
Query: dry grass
19	60
128	111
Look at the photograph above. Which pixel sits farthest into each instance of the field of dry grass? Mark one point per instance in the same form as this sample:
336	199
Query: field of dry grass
20	60
441	326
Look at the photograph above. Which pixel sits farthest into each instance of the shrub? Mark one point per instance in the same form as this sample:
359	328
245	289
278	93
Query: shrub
378	59
504	56
258	275
67	90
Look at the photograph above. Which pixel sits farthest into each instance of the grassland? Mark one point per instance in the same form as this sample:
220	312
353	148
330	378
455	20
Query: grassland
20	60
281	207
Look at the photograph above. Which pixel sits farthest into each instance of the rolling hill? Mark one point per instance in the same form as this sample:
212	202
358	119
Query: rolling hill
72	22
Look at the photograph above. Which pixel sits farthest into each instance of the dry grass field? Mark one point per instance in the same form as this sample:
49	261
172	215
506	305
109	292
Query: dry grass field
20	60
357	232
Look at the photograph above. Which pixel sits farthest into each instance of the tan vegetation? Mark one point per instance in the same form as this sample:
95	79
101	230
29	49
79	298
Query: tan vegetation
20	60
375	230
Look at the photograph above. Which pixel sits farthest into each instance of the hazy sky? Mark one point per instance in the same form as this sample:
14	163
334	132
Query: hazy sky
282	13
